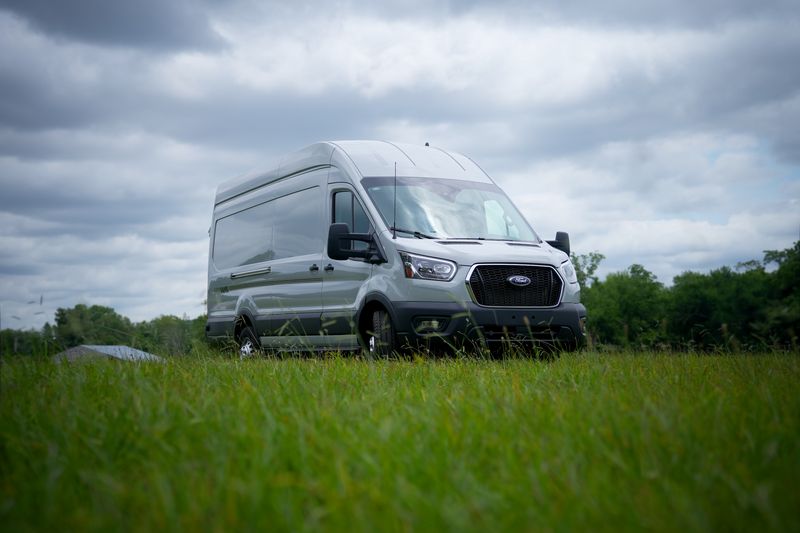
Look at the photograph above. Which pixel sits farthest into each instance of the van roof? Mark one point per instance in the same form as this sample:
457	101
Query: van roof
367	158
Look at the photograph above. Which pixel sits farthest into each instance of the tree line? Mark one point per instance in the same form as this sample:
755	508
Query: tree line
100	325
755	305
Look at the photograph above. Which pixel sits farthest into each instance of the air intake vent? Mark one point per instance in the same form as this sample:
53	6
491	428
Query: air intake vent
515	285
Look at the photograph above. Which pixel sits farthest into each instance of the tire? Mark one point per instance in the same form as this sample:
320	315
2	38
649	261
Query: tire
380	340
248	343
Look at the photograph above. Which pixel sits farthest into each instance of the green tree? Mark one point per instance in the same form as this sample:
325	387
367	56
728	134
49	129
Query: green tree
783	317
586	266
692	302
92	325
170	335
723	308
628	308
18	342
166	335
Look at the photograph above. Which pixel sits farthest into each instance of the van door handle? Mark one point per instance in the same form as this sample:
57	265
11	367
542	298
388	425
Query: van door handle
314	268
329	268
255	272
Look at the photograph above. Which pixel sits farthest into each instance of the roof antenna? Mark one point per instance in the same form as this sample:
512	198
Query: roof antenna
394	222
427	143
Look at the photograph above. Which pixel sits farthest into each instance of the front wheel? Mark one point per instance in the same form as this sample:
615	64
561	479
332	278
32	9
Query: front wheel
248	343
381	340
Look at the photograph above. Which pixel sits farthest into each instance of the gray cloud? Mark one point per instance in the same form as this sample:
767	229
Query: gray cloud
658	13
148	24
610	13
727	76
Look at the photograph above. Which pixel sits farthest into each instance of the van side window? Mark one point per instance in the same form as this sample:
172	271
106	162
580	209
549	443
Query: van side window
347	209
283	227
244	238
297	221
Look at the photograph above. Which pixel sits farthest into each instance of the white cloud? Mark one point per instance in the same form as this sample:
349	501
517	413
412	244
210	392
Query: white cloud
674	204
139	277
504	64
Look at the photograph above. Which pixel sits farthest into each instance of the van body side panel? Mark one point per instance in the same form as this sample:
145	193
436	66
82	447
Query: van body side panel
343	293
280	287
316	155
288	300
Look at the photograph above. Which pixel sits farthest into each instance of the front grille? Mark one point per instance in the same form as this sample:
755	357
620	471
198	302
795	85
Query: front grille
490	286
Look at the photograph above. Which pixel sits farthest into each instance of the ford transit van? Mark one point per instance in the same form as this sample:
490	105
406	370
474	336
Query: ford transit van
381	246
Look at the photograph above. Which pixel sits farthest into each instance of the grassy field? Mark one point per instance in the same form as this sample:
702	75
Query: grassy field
587	442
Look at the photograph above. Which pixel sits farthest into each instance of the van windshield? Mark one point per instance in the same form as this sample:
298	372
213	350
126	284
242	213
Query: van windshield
448	209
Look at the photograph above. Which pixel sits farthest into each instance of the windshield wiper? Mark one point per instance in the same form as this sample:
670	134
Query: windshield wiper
416	234
488	239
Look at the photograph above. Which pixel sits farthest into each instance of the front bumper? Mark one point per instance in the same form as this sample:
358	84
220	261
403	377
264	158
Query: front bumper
454	324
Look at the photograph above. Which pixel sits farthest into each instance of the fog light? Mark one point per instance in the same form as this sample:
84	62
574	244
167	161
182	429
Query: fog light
429	324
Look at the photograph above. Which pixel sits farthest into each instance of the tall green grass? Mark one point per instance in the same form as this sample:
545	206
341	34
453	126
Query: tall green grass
611	442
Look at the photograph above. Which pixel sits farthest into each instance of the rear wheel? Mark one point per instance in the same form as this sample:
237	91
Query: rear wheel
248	343
380	341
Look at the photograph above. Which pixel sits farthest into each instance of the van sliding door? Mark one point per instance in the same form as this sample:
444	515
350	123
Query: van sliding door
292	298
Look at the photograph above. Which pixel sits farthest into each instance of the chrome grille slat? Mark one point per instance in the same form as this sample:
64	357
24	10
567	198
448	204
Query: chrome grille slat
490	287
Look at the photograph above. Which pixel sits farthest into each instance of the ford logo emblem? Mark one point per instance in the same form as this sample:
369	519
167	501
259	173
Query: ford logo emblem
519	281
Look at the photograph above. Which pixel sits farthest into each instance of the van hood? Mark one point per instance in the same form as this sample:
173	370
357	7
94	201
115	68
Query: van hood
467	252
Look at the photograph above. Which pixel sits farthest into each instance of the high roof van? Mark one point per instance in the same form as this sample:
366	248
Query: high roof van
380	246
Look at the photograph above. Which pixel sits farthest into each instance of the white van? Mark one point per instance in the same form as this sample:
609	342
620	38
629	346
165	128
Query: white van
381	246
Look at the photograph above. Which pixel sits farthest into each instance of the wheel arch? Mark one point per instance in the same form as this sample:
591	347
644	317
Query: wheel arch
243	320
372	302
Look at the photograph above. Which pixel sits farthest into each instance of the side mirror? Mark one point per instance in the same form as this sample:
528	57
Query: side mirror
339	239
561	242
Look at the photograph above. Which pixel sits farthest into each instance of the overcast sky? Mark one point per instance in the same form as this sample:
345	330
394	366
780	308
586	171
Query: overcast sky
663	133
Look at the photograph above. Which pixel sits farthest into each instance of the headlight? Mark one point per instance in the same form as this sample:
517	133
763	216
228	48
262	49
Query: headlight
421	267
569	272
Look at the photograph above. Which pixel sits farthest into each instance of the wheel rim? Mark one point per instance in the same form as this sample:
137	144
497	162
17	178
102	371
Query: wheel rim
246	349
